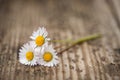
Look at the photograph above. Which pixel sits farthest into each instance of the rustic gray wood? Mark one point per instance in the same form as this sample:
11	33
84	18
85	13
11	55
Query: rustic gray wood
94	60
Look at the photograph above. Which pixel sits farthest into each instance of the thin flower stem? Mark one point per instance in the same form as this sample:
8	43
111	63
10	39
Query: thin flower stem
81	40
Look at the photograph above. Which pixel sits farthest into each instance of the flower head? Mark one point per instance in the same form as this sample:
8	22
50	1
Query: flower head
27	54
48	56
39	37
38	51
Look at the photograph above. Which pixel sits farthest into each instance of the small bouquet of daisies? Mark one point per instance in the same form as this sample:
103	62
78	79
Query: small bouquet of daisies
38	51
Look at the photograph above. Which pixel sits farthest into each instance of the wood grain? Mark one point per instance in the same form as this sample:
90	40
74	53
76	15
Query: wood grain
94	60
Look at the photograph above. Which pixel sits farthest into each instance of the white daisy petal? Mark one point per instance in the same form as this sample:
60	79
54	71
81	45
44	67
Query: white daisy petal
27	54
48	56
40	37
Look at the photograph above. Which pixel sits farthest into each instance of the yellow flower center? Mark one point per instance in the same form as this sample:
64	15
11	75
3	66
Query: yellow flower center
40	40
47	56
29	56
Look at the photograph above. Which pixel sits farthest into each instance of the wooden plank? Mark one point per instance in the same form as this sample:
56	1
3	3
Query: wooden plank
114	7
95	60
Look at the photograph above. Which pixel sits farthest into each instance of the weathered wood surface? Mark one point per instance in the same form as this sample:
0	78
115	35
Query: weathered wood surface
93	60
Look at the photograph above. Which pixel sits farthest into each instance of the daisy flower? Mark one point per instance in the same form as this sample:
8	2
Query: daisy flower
48	56
27	54
39	37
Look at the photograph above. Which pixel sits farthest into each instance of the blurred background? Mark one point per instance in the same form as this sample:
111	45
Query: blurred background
63	19
80	17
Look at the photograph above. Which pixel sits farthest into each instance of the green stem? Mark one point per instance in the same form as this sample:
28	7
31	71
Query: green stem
81	40
91	37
